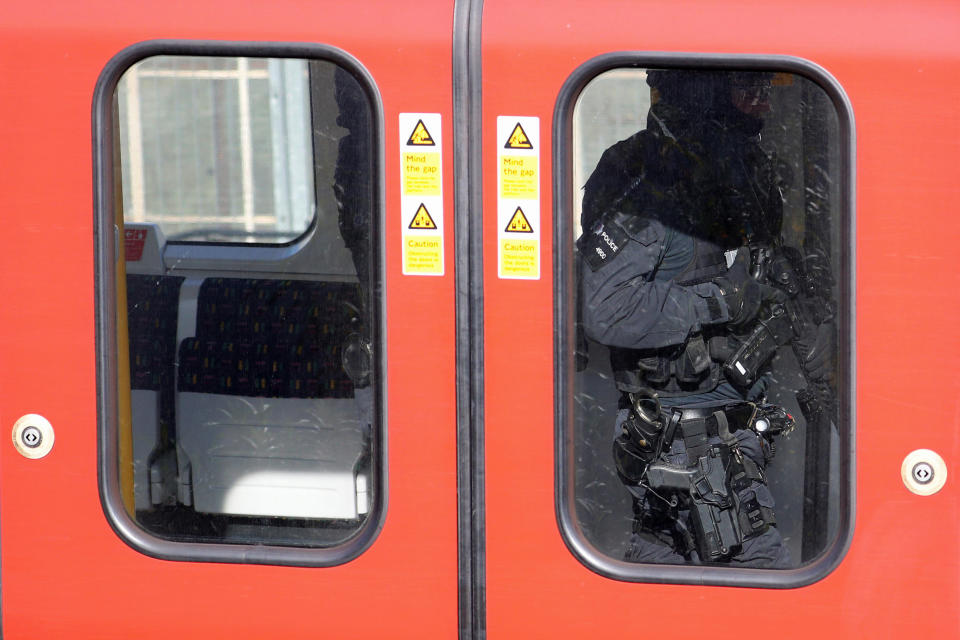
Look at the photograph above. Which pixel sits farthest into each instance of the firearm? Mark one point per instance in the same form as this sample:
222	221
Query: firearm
795	322
713	508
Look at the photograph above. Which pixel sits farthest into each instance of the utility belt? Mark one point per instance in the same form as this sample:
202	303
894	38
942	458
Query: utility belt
715	484
672	373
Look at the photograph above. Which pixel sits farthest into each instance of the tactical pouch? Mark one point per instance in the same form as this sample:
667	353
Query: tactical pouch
656	370
671	372
630	462
693	362
754	517
743	471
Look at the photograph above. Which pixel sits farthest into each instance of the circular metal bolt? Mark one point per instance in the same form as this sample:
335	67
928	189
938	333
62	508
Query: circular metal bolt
33	436
923	472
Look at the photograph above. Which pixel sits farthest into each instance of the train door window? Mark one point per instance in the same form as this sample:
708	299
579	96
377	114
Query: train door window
704	405
246	409
217	148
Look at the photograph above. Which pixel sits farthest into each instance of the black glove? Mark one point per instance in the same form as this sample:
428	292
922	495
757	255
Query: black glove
746	298
817	350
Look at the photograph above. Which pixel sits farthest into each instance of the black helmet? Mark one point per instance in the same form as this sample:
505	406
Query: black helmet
736	99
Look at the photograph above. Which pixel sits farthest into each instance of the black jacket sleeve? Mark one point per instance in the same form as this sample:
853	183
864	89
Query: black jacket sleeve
623	302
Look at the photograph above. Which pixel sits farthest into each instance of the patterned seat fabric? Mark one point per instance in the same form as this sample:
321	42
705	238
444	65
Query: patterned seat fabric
270	338
152	325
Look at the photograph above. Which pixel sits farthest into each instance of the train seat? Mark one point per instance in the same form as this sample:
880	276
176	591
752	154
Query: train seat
152	325
266	420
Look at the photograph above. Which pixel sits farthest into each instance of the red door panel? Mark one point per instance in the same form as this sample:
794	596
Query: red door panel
905	138
66	573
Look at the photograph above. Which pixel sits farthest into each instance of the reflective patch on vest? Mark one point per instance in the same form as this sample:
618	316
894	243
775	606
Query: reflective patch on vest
603	244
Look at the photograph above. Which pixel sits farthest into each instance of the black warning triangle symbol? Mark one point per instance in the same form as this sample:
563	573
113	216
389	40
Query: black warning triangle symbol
518	139
519	223
420	136
422	219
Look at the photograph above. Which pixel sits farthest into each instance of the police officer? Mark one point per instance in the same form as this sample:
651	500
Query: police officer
670	216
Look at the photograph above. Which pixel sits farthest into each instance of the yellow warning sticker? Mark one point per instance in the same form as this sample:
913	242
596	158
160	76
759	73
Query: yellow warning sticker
423	255
519	223
422	219
420	136
518	139
518	197
421	174
519	258
518	177
421	194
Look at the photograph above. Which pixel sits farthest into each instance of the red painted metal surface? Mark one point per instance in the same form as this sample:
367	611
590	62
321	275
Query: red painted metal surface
65	572
898	64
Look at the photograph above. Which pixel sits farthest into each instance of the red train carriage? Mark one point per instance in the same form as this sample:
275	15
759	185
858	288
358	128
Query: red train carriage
296	340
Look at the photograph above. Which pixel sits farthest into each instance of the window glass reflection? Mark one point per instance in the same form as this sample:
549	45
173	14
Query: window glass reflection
706	332
251	382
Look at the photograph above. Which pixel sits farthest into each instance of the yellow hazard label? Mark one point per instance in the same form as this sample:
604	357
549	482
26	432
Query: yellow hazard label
519	258
422	219
518	197
423	255
519	223
421	174
518	177
518	139
420	136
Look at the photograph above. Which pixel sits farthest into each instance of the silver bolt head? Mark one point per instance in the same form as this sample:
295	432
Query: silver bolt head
923	473
31	437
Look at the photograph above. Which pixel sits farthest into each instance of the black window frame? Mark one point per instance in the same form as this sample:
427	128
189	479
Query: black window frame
565	314
107	246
